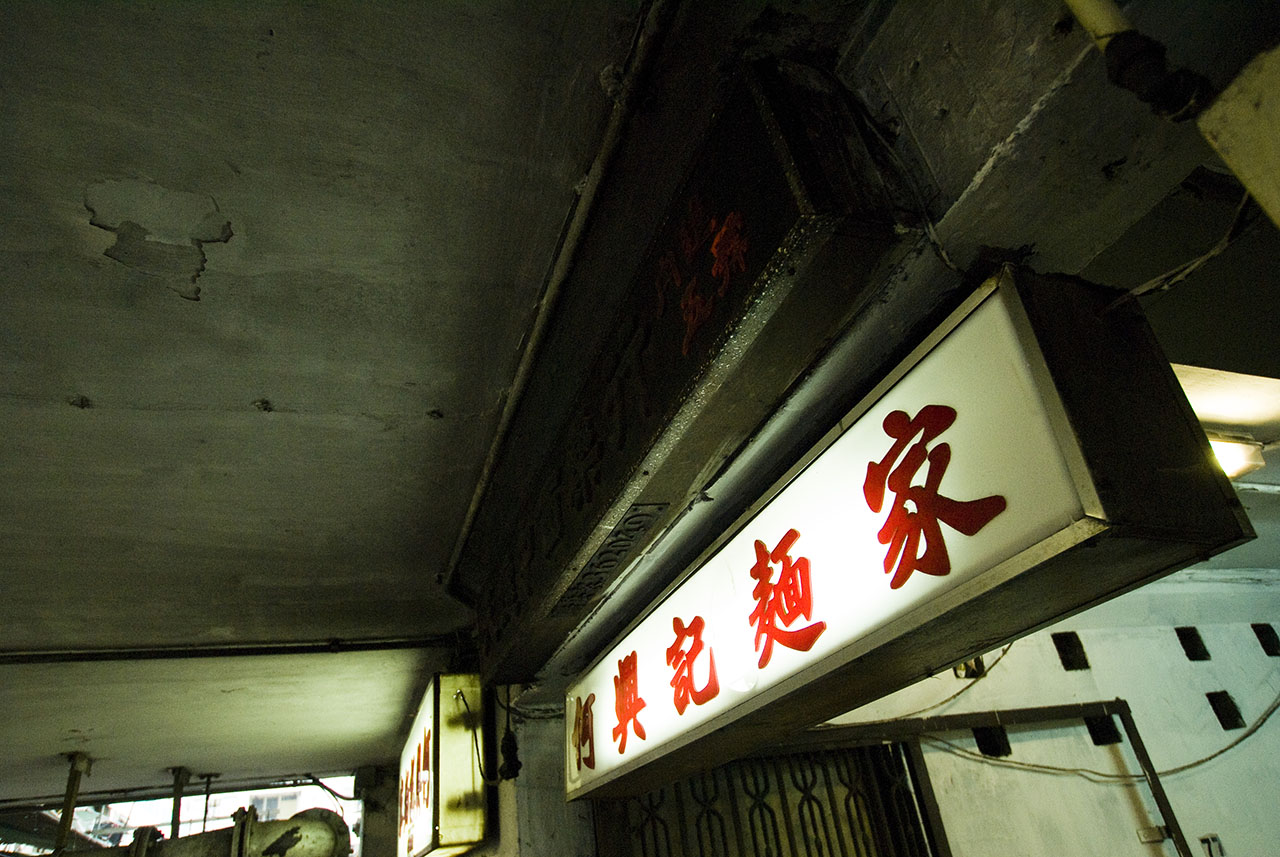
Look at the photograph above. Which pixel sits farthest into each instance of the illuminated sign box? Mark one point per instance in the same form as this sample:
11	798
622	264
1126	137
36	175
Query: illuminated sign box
1033	457
442	799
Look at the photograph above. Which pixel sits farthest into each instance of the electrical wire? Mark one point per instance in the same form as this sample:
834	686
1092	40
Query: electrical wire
475	739
1097	777
1247	214
523	715
337	805
922	209
962	690
953	696
1257	724
316	781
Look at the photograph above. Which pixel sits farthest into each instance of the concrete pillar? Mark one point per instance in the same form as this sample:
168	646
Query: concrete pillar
549	825
533	819
377	787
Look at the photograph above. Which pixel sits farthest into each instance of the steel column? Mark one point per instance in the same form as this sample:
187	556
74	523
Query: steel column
79	766
181	776
1153	780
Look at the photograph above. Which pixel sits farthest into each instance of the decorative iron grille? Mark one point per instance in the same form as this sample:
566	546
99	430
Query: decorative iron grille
848	802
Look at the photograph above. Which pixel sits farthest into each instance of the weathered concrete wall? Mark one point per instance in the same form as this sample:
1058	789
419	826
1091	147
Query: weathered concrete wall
1134	654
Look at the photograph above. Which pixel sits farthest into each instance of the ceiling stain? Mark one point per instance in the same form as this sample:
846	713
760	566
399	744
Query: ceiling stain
160	233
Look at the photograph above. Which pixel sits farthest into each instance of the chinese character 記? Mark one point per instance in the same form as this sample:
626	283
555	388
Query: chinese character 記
682	660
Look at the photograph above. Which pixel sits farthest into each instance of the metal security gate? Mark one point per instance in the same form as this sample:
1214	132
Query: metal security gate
846	802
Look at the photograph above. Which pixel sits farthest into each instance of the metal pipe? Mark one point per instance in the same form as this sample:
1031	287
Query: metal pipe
39	803
655	23
310	833
1137	63
79	766
208	788
1101	19
332	647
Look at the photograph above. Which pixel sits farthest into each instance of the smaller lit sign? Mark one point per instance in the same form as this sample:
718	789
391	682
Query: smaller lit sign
441	804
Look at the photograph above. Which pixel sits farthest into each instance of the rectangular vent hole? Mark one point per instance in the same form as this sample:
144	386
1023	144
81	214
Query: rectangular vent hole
1267	638
1192	644
1103	730
1225	708
992	740
1070	650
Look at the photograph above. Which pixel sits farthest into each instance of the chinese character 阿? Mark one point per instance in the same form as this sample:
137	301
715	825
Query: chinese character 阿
917	509
682	661
781	602
627	703
584	732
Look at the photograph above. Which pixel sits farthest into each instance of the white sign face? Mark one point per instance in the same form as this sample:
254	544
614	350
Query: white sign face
417	793
954	470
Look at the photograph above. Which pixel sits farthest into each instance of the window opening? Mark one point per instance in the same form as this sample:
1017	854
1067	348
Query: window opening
992	740
1102	730
1070	650
1267	638
1228	713
1192	643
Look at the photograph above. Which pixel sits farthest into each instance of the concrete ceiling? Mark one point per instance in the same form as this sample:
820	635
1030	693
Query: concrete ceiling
266	272
238	717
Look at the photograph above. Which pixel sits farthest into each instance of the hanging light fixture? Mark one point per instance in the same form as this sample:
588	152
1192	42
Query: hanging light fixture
1237	457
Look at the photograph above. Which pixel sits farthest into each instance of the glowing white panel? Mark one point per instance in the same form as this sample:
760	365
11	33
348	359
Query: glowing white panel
418	793
442	803
969	450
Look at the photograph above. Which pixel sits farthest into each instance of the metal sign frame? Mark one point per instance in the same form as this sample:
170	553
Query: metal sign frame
1151	501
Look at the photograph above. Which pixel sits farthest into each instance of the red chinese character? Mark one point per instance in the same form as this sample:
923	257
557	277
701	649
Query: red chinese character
695	309
695	230
584	732
415	783
906	527
729	248
682	661
627	703
780	603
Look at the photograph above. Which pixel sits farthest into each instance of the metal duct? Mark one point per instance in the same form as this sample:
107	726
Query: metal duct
310	833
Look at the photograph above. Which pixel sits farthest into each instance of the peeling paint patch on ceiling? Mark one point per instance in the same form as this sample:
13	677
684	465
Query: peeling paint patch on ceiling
160	232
